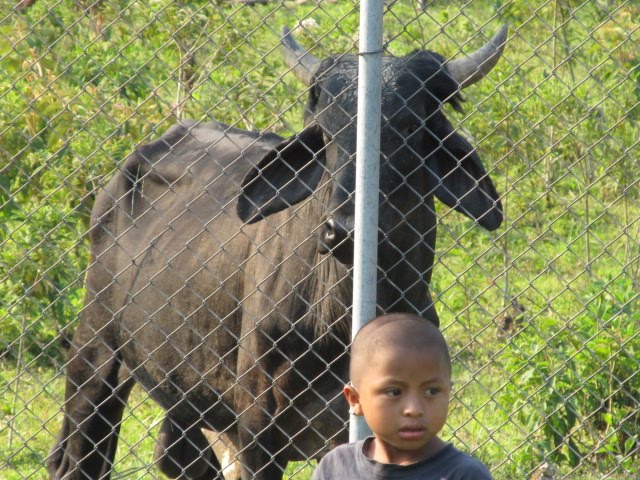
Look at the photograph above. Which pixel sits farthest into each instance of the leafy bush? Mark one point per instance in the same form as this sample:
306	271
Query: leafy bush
575	383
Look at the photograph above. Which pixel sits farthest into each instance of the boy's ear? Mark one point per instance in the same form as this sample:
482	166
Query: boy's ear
351	394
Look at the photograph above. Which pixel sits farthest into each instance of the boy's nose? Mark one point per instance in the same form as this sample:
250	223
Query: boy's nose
413	408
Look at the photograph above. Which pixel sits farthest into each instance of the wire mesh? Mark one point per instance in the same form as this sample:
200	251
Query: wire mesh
541	314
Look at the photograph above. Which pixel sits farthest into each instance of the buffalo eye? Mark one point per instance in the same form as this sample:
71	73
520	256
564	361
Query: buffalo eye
410	129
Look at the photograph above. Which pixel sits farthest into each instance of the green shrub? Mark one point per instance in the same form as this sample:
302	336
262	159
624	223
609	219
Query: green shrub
575	383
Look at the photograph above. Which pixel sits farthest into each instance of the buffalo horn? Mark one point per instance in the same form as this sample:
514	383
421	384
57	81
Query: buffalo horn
467	71
303	64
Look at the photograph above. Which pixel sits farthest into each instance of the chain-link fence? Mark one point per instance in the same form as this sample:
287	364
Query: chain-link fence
215	269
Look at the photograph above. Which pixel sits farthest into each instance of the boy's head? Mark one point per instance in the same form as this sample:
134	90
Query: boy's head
400	381
399	331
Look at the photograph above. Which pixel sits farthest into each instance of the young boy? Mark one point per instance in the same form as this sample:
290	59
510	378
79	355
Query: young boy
400	381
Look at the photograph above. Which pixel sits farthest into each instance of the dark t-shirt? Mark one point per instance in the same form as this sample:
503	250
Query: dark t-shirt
348	462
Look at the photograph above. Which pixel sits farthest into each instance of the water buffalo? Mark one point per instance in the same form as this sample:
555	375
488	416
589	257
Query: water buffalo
220	270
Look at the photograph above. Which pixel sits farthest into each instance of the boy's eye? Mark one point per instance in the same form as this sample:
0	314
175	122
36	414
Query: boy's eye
392	392
430	392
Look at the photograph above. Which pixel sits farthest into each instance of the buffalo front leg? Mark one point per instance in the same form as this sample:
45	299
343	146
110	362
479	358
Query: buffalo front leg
224	446
257	456
95	397
261	443
185	452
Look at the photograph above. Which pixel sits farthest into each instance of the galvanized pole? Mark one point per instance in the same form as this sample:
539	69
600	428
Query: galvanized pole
367	177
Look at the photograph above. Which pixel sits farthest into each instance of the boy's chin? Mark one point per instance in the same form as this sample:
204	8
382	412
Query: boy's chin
405	451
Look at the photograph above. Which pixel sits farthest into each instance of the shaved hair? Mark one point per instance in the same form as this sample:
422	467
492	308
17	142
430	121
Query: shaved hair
401	331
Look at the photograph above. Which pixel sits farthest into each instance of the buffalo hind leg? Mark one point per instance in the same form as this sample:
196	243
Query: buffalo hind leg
95	398
185	452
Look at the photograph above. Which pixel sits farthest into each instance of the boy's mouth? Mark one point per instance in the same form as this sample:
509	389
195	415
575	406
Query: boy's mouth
409	433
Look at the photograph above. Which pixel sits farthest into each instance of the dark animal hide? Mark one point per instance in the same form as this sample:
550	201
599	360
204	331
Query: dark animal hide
220	269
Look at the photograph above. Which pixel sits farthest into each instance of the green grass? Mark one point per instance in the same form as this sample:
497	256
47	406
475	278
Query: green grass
556	123
31	417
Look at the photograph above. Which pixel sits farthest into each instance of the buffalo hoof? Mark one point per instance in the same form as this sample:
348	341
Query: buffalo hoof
54	459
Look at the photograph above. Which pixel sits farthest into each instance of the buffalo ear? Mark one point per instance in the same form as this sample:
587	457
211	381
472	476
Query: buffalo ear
462	181
286	175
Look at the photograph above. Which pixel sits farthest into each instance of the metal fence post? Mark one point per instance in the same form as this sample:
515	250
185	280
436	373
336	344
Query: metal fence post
367	176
